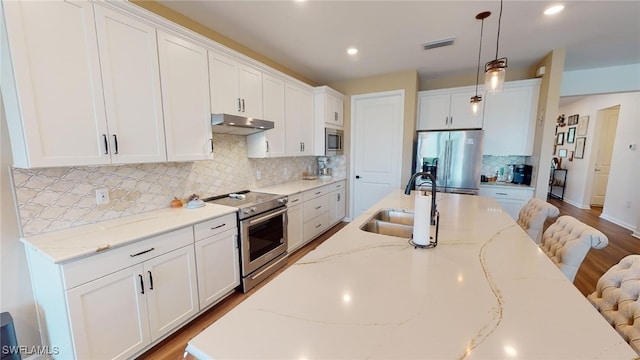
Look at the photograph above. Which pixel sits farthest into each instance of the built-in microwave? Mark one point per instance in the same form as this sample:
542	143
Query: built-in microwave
333	141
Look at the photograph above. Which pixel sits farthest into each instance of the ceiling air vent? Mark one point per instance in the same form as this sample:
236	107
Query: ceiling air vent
438	43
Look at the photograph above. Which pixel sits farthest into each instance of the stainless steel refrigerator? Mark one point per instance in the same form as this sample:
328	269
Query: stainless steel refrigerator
454	157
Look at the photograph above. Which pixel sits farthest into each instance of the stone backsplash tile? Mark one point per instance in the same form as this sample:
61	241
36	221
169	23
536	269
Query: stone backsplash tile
58	198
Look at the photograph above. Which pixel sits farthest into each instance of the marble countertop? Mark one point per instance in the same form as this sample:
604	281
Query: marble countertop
506	185
485	292
73	243
295	187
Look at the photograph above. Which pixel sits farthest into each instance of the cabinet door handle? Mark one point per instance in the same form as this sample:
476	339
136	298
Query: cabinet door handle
450	120
505	194
106	144
141	284
335	116
219	226
318	207
242	105
211	142
294	200
318	193
267	142
115	142
317	226
338	197
300	147
239	107
142	252
150	280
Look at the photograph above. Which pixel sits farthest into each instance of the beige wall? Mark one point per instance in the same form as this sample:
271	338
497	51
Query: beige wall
406	80
470	79
548	105
180	19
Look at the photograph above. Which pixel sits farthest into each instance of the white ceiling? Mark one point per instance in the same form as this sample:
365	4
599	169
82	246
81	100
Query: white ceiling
311	37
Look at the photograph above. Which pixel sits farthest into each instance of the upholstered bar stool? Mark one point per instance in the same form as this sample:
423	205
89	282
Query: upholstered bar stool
616	298
568	240
533	215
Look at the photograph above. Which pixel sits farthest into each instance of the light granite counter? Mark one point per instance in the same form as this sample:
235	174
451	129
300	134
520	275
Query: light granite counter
295	187
77	242
485	292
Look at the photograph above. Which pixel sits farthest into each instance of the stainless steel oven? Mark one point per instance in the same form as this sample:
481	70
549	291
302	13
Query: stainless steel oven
333	142
263	244
262	228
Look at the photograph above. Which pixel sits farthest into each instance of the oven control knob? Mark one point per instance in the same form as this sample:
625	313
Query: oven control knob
283	200
253	209
245	210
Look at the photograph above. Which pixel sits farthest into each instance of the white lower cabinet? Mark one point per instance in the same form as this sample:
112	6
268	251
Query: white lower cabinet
218	266
117	303
295	223
314	211
511	199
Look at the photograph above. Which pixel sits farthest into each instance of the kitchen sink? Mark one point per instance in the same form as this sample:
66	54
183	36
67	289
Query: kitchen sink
395	216
390	222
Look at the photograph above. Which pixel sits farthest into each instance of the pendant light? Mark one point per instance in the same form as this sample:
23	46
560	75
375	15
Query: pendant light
494	70
475	100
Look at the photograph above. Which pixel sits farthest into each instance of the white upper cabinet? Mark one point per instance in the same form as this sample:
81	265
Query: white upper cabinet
131	80
510	118
51	84
448	109
236	88
185	98
299	120
329	106
270	143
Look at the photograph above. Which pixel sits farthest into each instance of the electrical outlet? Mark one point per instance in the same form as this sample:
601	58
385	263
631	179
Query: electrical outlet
102	196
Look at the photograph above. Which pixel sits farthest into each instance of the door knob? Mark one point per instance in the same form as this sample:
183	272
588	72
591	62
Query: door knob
357	176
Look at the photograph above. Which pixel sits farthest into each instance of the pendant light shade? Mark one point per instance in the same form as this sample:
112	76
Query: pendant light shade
475	100
495	70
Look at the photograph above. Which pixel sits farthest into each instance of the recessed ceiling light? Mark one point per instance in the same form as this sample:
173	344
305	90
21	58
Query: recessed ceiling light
552	10
352	51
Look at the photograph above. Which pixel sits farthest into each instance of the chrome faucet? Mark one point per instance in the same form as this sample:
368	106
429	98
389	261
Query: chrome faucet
411	185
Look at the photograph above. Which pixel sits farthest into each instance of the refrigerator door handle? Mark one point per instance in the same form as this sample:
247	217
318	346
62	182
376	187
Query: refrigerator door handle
449	175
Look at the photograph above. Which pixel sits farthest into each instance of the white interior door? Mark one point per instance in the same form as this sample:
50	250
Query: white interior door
377	123
603	158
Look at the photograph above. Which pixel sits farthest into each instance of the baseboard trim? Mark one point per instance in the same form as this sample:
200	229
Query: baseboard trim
619	223
579	206
636	234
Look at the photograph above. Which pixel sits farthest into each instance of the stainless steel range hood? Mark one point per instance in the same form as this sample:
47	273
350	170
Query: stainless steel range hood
238	125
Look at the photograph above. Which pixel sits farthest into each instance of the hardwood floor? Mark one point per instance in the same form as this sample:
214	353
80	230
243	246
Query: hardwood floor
597	262
172	348
621	244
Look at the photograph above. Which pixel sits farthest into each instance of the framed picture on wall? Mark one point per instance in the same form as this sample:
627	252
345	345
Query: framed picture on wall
571	135
579	154
562	153
560	138
573	120
583	124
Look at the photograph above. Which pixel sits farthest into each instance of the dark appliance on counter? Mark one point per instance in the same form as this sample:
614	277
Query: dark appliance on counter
522	174
262	229
453	157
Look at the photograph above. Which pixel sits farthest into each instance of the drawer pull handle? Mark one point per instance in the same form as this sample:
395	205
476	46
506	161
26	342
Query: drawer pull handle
319	192
317	226
141	284
150	280
218	227
142	252
318	207
505	194
295	200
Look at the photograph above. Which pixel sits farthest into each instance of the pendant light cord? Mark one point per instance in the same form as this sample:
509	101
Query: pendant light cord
498	37
479	52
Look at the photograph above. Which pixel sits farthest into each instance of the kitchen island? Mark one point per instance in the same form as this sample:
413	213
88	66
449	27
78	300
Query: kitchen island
485	292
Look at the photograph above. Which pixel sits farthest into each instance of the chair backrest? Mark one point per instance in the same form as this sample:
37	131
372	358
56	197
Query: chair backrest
567	242
616	298
533	215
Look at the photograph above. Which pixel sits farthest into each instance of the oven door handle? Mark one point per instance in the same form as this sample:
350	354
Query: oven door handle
267	217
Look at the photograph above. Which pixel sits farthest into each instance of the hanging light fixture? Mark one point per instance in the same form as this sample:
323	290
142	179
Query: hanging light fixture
475	100
494	70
